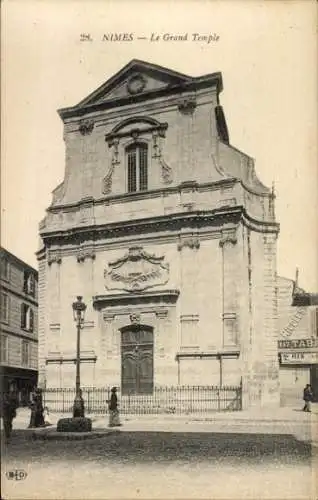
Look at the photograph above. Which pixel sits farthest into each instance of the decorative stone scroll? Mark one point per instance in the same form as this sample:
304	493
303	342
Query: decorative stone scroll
86	127
54	256
85	253
228	238
136	271
166	171
108	179
187	106
134	318
192	242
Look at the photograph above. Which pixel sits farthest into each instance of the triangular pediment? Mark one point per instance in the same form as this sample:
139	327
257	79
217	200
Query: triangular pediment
136	78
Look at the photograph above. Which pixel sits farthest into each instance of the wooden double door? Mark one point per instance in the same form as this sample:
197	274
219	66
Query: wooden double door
137	359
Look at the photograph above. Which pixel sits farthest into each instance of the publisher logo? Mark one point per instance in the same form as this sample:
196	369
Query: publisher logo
16	475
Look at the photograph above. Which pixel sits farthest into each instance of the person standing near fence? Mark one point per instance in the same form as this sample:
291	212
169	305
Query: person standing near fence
37	419
113	409
308	398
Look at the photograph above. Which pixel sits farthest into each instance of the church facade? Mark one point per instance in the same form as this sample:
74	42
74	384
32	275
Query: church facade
165	230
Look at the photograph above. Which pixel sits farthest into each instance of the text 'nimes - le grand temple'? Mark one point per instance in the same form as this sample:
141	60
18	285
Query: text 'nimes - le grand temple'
165	230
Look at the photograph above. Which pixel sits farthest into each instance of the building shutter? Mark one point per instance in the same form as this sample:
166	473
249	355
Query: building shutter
32	285
143	168
132	178
23	315
31	320
25	282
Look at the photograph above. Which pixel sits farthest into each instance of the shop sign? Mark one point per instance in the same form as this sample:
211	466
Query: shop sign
308	358
298	343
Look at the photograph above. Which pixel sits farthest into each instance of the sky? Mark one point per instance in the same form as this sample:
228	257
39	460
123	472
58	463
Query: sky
266	52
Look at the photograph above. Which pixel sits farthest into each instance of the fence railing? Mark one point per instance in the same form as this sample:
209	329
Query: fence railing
163	400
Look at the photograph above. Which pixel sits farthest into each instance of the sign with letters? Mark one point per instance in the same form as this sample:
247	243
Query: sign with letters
298	343
309	358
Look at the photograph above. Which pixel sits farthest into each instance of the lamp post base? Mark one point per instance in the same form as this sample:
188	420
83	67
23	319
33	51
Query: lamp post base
76	424
78	407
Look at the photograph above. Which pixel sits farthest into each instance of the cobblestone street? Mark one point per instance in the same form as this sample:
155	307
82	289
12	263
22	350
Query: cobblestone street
135	464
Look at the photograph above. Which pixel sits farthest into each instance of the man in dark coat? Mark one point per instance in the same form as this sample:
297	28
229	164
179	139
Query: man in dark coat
308	398
37	418
113	409
9	410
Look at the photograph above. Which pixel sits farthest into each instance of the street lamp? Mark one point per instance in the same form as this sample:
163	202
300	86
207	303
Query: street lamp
78	311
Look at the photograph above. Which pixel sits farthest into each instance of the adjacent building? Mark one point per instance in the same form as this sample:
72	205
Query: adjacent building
297	341
18	318
169	235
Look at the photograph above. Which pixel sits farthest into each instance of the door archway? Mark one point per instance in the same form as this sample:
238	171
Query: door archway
137	359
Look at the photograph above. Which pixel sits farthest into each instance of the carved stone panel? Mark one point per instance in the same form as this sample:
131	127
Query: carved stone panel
136	271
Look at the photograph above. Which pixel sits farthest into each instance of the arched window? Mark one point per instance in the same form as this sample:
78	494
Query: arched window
137	167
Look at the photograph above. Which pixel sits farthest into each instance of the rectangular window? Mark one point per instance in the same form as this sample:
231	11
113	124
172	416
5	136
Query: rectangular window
27	318
4	349
5	268
25	353
29	283
137	165
4	311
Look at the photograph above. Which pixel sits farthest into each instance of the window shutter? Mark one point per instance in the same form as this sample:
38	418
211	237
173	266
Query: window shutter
132	181
32	285
7	308
143	168
31	320
23	316
25	282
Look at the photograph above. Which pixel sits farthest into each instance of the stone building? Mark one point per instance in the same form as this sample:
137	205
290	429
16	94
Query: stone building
297	341
18	323
168	234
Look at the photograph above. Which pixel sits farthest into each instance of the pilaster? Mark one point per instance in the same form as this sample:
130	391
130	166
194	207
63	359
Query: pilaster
228	244
187	106
270	392
42	284
188	247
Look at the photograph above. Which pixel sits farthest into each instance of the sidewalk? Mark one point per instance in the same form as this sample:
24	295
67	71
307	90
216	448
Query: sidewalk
284	421
257	416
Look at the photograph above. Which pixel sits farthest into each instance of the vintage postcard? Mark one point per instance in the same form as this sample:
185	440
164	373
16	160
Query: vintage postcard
159	271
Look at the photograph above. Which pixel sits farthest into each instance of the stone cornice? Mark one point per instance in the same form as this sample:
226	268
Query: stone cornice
262	194
162	296
260	225
126	197
214	79
233	353
173	222
158	107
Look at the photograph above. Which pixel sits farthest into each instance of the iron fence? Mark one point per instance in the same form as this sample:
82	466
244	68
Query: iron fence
163	400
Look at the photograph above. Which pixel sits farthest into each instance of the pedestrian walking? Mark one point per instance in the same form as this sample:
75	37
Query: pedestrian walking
308	398
113	409
37	418
32	407
46	416
9	410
